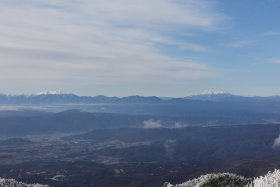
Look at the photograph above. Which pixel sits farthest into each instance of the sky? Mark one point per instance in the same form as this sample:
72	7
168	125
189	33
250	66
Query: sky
140	47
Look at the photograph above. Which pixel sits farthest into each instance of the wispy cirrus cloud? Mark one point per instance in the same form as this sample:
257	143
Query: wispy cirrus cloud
273	60
100	41
272	33
241	43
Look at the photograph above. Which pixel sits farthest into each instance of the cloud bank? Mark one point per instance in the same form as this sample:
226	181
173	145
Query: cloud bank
276	143
152	124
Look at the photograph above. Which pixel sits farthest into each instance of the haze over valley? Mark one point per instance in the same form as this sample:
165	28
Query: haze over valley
131	108
69	140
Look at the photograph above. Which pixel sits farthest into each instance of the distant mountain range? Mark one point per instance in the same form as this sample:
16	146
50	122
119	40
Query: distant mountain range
205	109
53	97
58	98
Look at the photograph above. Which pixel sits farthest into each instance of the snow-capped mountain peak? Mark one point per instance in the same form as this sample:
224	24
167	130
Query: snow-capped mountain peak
213	92
212	95
49	93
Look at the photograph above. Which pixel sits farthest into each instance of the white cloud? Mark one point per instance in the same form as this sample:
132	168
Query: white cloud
272	33
276	143
273	60
241	43
100	41
152	124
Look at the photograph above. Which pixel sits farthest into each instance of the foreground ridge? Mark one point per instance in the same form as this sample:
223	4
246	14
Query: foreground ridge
214	180
271	179
14	183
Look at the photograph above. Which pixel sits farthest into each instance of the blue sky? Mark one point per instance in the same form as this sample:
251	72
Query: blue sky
128	47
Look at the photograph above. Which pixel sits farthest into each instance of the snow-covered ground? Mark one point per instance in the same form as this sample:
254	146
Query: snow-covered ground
215	180
271	179
14	183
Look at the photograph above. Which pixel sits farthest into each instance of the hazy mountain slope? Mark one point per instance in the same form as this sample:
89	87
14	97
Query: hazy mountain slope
36	122
209	109
28	122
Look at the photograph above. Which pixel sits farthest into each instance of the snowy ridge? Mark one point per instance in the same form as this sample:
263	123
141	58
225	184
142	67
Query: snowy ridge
213	92
48	93
271	179
14	183
214	180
